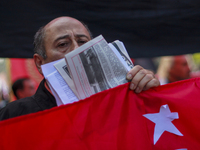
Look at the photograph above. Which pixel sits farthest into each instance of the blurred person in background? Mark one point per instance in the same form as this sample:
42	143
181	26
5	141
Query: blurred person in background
24	87
4	91
173	68
3	100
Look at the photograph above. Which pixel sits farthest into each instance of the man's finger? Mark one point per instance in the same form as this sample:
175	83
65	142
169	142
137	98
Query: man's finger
144	82
137	78
152	83
133	72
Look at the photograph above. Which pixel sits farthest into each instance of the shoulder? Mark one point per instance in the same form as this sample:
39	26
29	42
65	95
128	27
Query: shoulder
19	107
24	102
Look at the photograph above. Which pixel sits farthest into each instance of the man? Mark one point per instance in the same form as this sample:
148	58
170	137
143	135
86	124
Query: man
53	42
173	68
23	87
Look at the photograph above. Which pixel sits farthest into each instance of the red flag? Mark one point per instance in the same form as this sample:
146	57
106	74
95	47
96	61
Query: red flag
112	119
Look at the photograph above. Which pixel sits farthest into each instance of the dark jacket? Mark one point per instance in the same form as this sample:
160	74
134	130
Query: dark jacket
42	100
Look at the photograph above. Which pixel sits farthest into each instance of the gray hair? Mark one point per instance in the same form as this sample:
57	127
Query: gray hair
38	43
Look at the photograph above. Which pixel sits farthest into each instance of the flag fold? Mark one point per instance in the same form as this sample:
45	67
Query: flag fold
112	119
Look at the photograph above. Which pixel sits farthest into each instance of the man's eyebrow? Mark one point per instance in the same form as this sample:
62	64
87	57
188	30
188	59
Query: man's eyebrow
67	36
62	37
82	35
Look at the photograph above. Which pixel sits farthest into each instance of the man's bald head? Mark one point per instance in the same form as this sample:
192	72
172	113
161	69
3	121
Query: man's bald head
59	37
39	37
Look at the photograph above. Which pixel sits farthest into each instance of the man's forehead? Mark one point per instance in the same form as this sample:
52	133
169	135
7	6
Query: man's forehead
61	19
66	23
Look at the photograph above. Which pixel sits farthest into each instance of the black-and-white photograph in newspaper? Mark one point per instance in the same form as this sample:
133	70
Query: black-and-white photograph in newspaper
95	67
94	70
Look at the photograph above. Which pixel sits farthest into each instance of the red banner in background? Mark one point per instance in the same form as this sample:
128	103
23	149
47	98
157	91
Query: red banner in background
20	67
24	67
112	119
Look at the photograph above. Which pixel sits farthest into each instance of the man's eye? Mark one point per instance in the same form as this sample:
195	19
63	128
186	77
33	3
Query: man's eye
82	42
62	44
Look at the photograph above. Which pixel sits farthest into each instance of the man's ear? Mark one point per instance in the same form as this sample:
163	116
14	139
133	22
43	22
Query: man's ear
38	62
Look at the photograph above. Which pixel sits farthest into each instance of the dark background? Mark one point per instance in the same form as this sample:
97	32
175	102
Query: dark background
148	28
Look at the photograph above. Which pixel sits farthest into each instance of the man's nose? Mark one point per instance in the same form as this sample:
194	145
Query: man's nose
74	44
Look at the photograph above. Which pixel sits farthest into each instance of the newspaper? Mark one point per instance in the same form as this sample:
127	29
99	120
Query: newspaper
95	67
118	49
60	89
123	52
62	68
47	71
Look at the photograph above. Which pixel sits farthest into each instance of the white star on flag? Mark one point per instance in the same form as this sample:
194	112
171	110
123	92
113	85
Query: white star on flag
163	122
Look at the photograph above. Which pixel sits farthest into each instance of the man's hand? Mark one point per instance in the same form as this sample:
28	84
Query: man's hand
141	79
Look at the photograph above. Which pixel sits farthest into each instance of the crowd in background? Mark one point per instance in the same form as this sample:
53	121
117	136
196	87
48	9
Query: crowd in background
167	69
170	69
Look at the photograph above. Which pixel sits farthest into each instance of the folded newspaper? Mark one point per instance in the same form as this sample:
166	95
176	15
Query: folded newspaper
89	69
